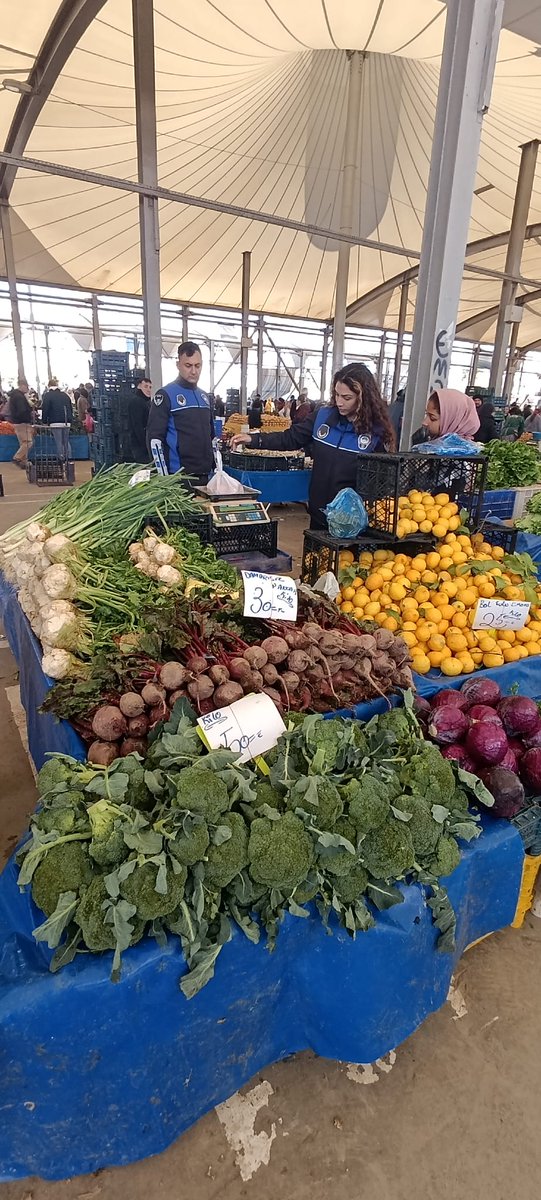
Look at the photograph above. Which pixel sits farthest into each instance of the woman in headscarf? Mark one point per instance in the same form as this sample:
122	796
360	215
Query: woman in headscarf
449	411
488	429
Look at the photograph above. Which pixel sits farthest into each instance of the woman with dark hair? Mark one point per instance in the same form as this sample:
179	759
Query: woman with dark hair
356	422
488	429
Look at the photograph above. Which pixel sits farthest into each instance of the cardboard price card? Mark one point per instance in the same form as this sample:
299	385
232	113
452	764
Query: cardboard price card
249	727
273	597
501	614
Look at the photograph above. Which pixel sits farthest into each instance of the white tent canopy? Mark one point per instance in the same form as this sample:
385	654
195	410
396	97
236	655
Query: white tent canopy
250	112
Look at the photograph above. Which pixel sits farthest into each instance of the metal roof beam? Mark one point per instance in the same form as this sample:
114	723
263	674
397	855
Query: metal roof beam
488	314
64	33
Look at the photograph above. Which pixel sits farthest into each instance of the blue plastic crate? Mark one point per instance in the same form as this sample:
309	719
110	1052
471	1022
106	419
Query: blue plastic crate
498	504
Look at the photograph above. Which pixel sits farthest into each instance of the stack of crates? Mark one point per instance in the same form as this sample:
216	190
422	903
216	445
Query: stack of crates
383	478
232	401
115	384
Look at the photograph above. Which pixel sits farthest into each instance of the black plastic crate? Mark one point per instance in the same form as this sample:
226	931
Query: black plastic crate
264	462
321	552
383	478
528	824
50	472
499	535
199	523
240	539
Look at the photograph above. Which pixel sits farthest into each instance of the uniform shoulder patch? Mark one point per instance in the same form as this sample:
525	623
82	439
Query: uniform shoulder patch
322	431
363	441
158	399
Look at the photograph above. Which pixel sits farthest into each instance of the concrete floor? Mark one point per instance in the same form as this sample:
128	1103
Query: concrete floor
453	1114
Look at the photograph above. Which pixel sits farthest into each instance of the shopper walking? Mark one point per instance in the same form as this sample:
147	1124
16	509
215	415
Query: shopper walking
20	415
180	419
57	412
138	412
355	423
513	426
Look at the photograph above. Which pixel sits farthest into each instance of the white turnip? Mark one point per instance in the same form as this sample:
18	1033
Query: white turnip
59	548
58	664
276	649
59	582
153	694
102	753
109	724
173	675
37	532
164	555
131	704
169	575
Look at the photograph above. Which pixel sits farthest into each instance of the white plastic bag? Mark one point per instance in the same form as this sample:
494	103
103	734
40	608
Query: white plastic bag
222	484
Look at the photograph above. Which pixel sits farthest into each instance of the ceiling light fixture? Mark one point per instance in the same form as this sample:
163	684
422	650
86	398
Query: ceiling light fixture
17	85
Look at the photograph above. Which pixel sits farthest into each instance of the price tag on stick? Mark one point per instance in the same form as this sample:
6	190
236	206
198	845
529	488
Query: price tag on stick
501	614
273	597
249	727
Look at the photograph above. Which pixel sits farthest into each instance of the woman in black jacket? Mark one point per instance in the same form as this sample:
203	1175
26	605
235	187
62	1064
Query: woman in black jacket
21	415
488	429
356	422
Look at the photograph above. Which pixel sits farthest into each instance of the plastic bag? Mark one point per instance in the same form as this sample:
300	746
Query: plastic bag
222	484
346	514
452	445
328	585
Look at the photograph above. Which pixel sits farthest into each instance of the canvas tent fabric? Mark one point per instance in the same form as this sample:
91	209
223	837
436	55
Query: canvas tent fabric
251	111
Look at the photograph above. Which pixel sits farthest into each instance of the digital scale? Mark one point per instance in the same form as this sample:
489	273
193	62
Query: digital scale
230	511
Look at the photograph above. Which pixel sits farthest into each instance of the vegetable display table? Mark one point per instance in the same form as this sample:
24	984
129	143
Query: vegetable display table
97	1074
9	444
276	487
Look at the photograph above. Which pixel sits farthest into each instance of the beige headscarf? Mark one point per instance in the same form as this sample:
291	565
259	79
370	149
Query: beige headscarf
458	413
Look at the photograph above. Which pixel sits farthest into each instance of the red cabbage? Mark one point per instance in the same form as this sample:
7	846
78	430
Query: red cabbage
510	762
481	691
507	790
483	712
460	755
447	724
421	706
449	696
519	714
486	742
518	748
530	769
532	741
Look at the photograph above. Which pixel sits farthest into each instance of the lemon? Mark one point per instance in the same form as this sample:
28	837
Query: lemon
456	640
442	498
371	609
494	659
347	606
397	590
374	581
421	664
440	529
451	666
348	593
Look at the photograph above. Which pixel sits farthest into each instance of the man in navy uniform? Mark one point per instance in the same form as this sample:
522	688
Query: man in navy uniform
180	419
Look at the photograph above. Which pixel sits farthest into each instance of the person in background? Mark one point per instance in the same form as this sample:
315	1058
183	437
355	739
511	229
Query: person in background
279	407
219	407
181	420
138	411
527	411
533	423
396	413
302	409
449	411
21	415
83	407
513	426
355	423
488	429
255	413
57	412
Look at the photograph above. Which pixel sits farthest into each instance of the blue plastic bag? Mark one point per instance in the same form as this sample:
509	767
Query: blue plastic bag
452	444
346	514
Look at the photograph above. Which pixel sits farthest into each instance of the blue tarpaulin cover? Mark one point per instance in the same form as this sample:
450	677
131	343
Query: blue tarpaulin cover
94	1074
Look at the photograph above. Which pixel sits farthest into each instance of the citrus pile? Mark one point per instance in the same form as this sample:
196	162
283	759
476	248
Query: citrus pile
431	600
419	512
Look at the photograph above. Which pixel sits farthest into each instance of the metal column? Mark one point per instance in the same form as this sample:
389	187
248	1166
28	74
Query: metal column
349	170
147	173
34	343
381	360
185	315
512	360
47	352
245	341
402	315
466	73
519	221
260	348
96	331
474	365
212	366
12	285
324	357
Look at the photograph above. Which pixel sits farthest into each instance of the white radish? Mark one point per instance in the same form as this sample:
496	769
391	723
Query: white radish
169	576
164	555
59	582
58	664
59	548
37	532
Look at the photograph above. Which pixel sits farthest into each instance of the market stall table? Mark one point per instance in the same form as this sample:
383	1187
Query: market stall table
276	487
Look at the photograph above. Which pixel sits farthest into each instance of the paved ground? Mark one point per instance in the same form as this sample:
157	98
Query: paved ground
453	1116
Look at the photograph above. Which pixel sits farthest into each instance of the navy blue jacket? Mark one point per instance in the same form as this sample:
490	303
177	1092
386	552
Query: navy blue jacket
335	448
180	418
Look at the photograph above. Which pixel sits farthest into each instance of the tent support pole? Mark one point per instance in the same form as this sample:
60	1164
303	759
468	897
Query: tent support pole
519	221
147	173
245	340
324	357
9	257
402	314
260	348
349	172
512	360
474	366
467	69
96	331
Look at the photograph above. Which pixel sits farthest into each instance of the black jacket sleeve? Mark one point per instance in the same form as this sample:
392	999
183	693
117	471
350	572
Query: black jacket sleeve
46	409
68	408
158	418
298	437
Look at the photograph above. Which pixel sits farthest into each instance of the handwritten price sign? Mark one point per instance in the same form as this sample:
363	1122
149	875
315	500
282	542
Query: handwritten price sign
273	597
501	614
249	727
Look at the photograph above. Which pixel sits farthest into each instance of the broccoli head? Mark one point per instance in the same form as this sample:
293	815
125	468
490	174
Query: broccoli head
190	846
319	797
388	852
53	772
140	889
65	867
280	852
459	802
137	794
340	861
91	916
369	804
424	830
230	857
64	812
447	856
328	742
267	794
200	791
107	847
350	887
431	775
305	892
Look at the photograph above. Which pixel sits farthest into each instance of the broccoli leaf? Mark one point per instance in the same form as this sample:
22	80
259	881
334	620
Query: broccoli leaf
476	786
221	834
400	816
118	915
296	910
384	895
52	929
444	918
65	953
109	787
440	813
334	841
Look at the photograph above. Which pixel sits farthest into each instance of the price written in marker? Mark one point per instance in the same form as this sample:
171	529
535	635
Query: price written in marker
270	597
501	614
249	727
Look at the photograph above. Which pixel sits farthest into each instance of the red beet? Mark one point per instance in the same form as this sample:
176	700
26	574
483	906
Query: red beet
448	724
449	696
487	743
421	707
460	755
483	712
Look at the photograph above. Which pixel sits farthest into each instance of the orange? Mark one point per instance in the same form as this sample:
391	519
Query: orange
451	666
